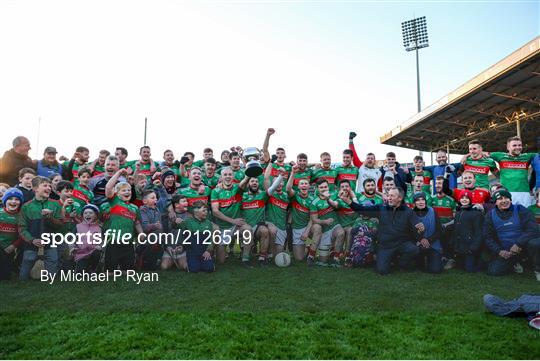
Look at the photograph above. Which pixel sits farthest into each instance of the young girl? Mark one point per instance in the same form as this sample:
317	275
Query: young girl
88	253
467	235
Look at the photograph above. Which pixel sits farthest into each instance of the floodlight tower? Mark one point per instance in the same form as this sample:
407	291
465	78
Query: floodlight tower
415	37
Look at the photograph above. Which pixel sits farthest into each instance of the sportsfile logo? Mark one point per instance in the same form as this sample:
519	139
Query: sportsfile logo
117	237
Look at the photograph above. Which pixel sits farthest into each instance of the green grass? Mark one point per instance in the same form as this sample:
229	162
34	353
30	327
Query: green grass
267	313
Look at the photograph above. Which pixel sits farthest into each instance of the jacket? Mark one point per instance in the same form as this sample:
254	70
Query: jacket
467	234
10	165
396	225
529	229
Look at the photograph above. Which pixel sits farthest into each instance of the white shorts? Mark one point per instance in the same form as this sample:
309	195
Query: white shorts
523	198
281	237
227	236
326	239
296	234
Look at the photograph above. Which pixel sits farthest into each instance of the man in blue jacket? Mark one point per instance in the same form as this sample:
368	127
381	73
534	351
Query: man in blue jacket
509	230
399	229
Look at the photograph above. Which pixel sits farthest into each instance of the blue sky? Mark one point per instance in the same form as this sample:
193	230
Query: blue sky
219	73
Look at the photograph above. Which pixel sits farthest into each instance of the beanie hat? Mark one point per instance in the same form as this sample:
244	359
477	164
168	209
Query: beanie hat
466	193
419	195
92	207
501	193
13	192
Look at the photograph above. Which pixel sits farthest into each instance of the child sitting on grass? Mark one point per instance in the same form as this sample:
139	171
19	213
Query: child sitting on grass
123	218
25	183
87	253
40	215
198	254
12	201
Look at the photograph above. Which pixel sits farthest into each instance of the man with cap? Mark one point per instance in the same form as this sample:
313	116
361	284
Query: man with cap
49	165
509	230
9	230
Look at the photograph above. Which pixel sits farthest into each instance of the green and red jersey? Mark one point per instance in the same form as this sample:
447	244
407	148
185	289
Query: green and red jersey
276	209
324	210
275	170
145	169
373	199
427	179
444	206
299	176
329	175
193	195
82	195
253	207
229	201
69	223
98	169
128	164
9	228
346	215
210	181
31	222
349	173
74	169
121	216
481	168
514	170
300	212
535	209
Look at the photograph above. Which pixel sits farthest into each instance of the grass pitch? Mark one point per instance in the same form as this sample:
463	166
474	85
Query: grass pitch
268	312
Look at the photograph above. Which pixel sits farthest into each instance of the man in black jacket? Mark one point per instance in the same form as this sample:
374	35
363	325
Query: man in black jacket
14	160
508	230
399	229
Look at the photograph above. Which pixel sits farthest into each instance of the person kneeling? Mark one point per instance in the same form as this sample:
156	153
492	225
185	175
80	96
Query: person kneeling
508	230
430	258
198	250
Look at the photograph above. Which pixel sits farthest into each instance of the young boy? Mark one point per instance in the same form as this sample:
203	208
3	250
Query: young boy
148	254
180	213
81	194
3	188
38	216
70	216
535	208
124	219
9	230
199	254
25	183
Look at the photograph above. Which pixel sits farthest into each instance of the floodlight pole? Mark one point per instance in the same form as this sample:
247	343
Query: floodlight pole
145	126
418	80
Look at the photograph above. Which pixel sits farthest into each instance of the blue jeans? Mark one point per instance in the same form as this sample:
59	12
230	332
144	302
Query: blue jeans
29	258
501	266
406	251
196	264
431	260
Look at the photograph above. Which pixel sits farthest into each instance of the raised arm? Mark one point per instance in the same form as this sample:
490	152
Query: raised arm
267	173
356	159
109	187
290	182
266	144
274	185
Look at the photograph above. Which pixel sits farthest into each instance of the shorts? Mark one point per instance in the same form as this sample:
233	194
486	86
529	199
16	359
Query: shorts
326	239
523	198
176	255
281	237
296	234
227	236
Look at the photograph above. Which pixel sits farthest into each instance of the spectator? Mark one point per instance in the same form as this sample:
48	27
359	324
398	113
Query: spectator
14	160
49	165
508	230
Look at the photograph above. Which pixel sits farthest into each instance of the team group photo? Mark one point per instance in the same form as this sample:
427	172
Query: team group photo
270	180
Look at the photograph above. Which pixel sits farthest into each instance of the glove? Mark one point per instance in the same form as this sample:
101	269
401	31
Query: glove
274	158
176	163
450	169
352	135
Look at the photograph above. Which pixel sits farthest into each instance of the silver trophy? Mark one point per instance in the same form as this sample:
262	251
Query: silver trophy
251	158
